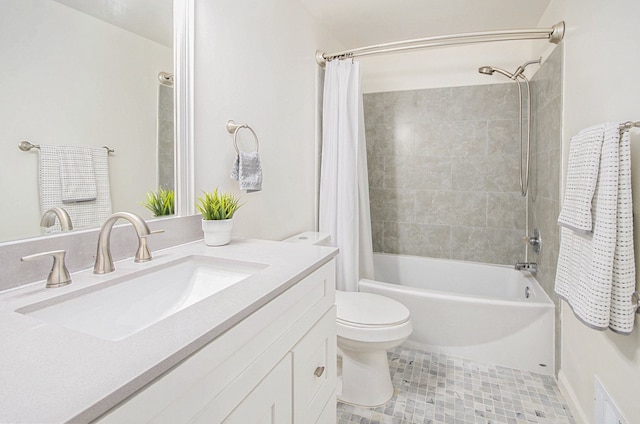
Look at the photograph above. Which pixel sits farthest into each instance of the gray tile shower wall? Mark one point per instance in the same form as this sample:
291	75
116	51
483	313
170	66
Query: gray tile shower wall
546	149
443	173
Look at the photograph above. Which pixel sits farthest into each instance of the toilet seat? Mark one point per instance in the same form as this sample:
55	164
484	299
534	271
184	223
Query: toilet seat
369	317
369	310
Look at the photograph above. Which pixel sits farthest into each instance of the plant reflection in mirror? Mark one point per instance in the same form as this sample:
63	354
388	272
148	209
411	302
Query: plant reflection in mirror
160	203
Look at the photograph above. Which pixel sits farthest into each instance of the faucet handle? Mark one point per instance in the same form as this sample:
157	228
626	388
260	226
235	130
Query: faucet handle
143	254
59	275
153	232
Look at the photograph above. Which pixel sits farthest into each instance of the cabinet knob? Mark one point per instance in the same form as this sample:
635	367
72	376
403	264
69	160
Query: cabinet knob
318	372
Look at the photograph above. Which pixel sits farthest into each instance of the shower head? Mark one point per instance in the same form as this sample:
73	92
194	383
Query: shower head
489	70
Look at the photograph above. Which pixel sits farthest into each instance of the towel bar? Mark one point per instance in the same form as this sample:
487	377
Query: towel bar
25	146
233	128
635	302
628	125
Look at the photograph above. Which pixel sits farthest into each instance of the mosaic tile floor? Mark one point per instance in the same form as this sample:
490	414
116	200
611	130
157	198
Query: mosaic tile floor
435	388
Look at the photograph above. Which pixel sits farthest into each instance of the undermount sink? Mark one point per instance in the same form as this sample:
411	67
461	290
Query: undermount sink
124	306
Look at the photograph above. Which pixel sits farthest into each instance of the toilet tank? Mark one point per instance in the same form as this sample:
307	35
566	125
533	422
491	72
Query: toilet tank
311	237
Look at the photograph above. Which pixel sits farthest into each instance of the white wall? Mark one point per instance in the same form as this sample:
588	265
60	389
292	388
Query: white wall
601	84
255	64
68	78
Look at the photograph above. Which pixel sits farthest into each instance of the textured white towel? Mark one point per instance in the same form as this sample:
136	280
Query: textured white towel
596	272
582	174
248	171
87	214
77	177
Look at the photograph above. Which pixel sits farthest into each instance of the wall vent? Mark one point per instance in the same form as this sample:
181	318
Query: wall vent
605	409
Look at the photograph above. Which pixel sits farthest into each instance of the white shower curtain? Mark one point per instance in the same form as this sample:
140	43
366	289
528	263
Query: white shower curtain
344	188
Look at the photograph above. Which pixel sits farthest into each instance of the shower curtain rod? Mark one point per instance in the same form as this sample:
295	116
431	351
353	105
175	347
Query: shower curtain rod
553	34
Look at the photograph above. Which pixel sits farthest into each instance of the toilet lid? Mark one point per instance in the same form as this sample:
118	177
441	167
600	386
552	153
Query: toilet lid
370	310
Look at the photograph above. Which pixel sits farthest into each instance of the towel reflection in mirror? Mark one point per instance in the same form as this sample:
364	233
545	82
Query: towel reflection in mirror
75	178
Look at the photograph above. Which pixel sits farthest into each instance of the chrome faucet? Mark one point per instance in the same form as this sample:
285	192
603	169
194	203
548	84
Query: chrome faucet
531	267
59	275
104	262
49	219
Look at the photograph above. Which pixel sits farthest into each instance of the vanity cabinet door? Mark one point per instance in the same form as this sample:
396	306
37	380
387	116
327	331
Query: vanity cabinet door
268	403
314	369
257	370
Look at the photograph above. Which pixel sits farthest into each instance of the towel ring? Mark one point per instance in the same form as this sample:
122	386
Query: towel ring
234	128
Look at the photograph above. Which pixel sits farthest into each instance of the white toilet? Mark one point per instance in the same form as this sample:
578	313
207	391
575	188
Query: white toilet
367	326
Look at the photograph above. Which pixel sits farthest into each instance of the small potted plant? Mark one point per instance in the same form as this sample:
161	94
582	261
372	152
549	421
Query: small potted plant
160	203
217	211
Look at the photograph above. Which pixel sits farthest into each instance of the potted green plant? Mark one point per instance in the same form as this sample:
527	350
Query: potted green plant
217	211
160	203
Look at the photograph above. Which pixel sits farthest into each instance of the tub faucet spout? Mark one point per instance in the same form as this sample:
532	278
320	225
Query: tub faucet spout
531	267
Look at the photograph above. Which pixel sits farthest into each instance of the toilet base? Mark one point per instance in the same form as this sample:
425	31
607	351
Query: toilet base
366	380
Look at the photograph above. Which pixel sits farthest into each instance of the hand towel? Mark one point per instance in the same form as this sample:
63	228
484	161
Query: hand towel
77	177
582	174
247	171
88	214
596	271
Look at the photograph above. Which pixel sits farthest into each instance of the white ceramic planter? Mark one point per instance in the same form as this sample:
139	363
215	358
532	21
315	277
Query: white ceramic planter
217	232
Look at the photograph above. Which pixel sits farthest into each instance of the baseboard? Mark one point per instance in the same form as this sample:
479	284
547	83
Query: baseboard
570	396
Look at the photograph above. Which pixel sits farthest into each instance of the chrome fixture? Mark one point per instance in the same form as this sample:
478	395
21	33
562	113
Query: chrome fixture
555	34
234	128
531	267
318	372
535	241
520	69
25	146
49	219
489	70
166	78
517	76
59	275
625	126
104	262
635	302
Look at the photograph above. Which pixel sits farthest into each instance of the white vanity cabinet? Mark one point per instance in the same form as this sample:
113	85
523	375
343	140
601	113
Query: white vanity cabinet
277	365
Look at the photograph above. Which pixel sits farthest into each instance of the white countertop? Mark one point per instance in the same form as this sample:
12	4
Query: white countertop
49	373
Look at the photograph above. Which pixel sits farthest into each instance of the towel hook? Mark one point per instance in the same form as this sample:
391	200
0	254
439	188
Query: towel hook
234	128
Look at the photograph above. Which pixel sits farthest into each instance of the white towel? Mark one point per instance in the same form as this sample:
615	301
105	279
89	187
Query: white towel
87	214
248	171
596	271
582	174
77	177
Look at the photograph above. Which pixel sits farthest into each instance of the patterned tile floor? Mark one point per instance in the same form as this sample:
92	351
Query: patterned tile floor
435	388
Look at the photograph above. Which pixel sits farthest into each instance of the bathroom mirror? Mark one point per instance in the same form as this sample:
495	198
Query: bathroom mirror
87	72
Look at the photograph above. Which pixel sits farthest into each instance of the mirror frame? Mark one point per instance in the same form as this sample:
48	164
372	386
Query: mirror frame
183	53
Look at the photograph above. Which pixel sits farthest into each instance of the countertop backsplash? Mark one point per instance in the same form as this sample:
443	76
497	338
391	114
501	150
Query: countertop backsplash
81	248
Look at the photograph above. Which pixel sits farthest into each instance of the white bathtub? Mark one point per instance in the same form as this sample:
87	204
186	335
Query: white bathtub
488	313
